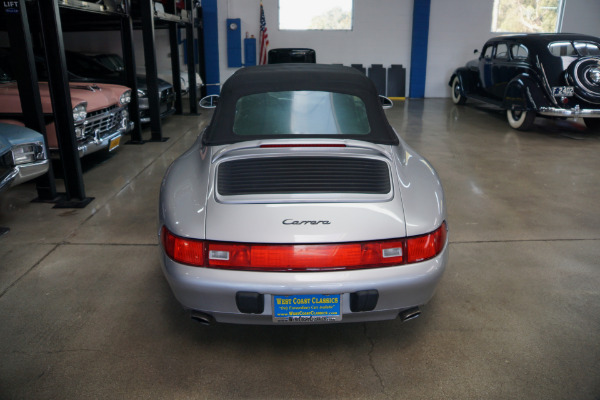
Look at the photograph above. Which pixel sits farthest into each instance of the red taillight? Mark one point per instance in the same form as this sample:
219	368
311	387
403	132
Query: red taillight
304	257
185	251
424	247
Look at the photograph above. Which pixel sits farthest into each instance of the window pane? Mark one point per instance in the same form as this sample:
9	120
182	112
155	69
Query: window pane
519	52
487	53
587	49
562	49
315	14
527	16
502	51
300	113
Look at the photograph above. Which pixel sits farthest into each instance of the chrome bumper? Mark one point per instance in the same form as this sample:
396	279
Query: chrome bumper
23	173
100	143
569	113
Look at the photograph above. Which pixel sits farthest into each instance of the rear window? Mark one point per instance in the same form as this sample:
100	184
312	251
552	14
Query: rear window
297	113
587	49
574	49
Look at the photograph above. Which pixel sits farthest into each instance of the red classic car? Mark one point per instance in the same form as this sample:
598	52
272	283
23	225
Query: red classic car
99	111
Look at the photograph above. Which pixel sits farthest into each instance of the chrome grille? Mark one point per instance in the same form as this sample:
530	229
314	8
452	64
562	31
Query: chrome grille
287	175
103	121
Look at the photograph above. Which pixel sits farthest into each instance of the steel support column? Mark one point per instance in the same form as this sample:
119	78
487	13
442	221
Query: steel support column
191	61
22	58
201	58
62	107
131	75
175	67
147	14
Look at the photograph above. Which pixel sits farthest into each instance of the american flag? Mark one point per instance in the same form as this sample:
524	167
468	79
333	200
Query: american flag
263	37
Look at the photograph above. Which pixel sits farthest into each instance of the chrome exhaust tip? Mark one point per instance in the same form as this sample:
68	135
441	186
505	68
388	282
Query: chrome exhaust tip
203	318
409	314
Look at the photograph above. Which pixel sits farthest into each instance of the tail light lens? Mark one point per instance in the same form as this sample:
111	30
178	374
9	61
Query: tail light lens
303	257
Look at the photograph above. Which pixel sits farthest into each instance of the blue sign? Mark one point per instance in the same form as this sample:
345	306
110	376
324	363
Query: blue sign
307	308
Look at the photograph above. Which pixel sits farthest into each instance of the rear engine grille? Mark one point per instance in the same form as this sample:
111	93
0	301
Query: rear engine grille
287	175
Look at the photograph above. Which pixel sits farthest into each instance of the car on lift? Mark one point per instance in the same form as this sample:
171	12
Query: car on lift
299	203
115	63
85	68
531	75
23	155
99	111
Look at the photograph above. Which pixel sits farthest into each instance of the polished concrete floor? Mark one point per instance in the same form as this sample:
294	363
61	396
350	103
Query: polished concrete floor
85	312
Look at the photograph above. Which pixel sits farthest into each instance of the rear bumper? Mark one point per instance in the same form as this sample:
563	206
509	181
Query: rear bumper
569	113
213	291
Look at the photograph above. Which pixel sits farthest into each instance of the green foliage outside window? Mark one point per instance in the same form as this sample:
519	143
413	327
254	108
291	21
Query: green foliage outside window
527	16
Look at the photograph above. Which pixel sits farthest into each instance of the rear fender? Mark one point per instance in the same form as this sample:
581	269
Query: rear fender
524	93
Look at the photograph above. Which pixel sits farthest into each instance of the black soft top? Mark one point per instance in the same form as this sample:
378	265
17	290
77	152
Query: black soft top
296	77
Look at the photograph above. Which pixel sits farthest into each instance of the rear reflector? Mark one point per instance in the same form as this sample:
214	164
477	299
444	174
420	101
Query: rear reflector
303	257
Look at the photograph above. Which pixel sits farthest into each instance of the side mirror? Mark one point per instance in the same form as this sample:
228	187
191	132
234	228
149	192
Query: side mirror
209	101
475	51
386	103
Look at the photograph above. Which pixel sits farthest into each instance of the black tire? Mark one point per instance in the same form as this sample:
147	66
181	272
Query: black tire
593	124
457	97
520	120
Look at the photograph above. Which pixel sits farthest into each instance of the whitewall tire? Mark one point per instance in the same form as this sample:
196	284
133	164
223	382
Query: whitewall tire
520	120
457	97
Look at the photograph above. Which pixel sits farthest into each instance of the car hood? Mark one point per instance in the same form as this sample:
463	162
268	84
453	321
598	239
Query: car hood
121	79
142	85
97	96
15	135
217	193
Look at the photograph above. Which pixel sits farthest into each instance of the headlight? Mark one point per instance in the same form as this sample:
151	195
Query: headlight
79	112
594	74
28	153
141	93
125	97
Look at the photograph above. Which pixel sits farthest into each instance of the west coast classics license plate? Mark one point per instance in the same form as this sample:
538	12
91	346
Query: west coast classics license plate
307	308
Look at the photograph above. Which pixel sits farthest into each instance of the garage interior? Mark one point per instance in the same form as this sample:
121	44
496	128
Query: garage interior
86	311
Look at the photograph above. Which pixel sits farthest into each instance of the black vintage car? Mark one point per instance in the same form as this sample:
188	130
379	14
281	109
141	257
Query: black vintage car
529	75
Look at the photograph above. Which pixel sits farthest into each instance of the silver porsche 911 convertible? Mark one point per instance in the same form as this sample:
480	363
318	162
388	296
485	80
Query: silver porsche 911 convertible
299	203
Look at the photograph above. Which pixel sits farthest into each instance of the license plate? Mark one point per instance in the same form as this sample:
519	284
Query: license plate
307	308
563	91
114	143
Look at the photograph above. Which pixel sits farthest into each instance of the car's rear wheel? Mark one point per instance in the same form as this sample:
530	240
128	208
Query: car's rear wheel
592	124
520	120
457	97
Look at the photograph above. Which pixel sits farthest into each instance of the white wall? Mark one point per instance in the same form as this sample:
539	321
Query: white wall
582	16
456	28
381	33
